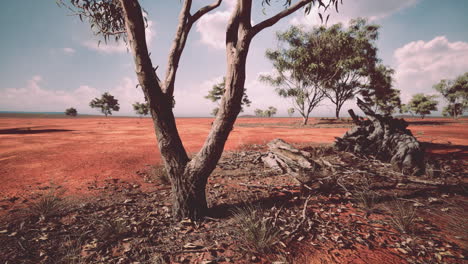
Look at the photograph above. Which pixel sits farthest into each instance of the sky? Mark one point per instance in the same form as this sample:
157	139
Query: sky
50	60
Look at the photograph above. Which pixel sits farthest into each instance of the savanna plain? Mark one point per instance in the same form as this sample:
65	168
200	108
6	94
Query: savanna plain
93	190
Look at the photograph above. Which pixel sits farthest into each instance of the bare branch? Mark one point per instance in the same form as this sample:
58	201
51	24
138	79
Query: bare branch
274	19
178	44
205	10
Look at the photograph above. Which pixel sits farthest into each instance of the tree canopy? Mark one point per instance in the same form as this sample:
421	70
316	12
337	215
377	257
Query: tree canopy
421	104
217	91
107	103
355	56
141	109
71	112
455	93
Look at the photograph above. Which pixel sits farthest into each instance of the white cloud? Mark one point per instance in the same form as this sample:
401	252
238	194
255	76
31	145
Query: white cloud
212	26
69	50
373	10
420	64
117	47
34	98
191	101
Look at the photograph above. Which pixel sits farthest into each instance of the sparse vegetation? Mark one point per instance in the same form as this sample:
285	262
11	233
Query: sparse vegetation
46	206
403	216
254	232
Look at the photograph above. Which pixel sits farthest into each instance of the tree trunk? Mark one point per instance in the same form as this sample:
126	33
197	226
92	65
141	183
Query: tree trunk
305	119
337	111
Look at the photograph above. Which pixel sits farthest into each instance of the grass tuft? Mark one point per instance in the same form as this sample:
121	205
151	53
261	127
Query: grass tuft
47	206
255	232
403	216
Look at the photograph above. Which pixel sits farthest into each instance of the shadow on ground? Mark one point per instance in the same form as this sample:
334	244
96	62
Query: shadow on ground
28	130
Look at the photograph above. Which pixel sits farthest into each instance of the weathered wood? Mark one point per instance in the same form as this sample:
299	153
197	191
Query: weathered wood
385	138
285	158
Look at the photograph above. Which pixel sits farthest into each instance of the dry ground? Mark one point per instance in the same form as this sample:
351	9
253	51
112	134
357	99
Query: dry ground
125	218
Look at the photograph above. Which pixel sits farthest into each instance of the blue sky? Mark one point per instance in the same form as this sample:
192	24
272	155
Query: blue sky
49	60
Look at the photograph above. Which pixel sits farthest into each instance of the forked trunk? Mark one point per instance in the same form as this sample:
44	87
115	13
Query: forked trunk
305	119
189	196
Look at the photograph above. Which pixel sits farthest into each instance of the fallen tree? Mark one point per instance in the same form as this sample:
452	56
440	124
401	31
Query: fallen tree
385	138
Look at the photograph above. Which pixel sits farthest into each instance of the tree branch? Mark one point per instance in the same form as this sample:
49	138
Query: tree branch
178	44
205	10
274	19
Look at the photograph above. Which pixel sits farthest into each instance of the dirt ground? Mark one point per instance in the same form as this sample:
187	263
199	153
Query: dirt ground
106	164
74	153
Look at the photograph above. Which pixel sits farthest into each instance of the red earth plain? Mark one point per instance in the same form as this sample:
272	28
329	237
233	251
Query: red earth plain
74	152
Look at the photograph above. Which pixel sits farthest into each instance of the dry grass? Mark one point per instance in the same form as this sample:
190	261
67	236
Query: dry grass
158	173
403	216
255	233
46	206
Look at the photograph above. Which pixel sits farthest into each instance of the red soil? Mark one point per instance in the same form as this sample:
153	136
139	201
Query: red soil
73	153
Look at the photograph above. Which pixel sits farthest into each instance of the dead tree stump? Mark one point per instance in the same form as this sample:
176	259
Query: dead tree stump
285	158
385	138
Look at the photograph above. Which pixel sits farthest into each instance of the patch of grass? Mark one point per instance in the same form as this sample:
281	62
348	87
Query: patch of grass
255	232
159	173
403	216
46	206
110	229
363	195
71	250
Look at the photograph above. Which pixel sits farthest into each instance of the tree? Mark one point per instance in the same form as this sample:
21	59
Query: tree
421	104
355	54
455	93
271	111
383	98
258	112
124	19
141	109
107	103
71	112
291	111
303	62
216	93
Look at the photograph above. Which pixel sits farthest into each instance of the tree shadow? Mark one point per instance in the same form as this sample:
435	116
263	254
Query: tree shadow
29	130
226	210
440	150
429	122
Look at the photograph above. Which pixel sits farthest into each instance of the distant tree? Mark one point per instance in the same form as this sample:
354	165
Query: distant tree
107	103
304	62
291	111
271	111
356	56
421	104
71	112
217	92
258	112
455	93
141	109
